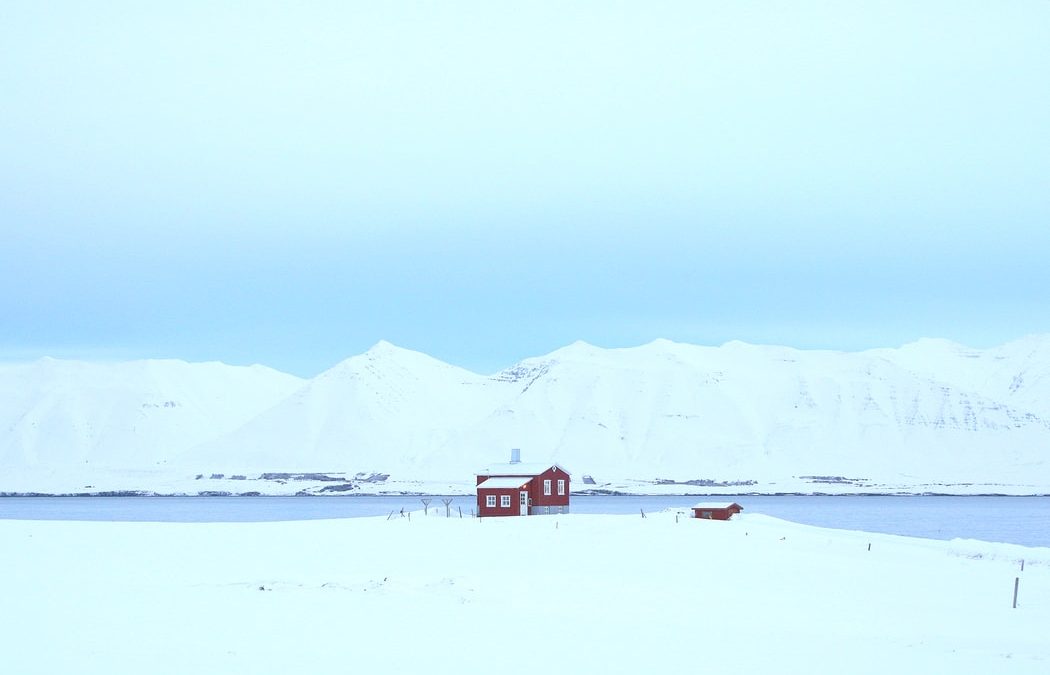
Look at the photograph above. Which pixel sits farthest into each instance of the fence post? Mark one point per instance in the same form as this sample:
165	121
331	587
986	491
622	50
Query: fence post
1017	580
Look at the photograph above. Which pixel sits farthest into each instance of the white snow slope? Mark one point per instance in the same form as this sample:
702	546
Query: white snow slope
930	416
565	594
135	415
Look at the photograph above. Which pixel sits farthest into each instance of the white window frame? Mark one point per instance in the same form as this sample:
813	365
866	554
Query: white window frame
490	501
561	486
547	486
504	501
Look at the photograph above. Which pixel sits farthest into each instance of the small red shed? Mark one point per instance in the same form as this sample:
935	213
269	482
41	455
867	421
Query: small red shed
716	510
522	489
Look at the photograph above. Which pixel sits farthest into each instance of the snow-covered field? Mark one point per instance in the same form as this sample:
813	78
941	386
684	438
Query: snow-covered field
577	593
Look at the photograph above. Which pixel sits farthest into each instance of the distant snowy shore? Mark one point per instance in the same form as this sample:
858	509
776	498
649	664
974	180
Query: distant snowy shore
422	593
144	483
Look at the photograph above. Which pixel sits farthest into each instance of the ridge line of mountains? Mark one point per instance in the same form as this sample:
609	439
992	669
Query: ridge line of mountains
929	413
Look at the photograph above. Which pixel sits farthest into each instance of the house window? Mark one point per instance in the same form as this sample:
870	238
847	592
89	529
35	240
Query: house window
490	501
504	501
561	486
547	487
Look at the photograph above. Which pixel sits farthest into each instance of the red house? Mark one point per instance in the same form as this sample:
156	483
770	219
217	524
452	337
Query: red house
522	489
716	510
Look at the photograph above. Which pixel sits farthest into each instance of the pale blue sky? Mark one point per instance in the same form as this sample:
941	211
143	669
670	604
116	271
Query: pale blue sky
287	183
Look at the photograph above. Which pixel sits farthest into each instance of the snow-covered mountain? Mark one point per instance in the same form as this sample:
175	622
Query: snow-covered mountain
389	409
929	413
1016	374
743	411
130	415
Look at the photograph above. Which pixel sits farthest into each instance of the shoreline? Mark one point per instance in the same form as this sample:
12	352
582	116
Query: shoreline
117	494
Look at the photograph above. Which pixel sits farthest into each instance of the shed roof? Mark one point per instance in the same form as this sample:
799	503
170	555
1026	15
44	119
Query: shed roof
519	469
716	505
504	483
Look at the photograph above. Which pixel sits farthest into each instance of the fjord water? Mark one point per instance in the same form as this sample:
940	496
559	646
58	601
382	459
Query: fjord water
1015	520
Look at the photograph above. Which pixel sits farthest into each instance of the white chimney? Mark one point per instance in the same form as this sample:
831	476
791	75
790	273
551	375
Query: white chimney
515	456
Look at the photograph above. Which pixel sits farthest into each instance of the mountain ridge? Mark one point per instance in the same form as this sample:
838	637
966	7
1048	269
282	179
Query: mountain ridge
930	410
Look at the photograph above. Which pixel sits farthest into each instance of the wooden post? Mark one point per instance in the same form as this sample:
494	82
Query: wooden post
448	509
869	545
460	511
1017	580
426	503
1022	564
643	512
